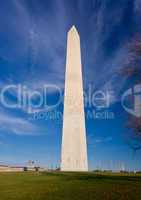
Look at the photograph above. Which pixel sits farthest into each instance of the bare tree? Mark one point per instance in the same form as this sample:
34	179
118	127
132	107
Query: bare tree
132	73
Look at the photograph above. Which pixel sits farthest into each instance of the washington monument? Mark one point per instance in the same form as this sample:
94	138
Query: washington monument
74	147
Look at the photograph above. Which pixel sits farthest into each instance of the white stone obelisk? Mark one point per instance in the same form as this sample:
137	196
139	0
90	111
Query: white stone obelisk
74	147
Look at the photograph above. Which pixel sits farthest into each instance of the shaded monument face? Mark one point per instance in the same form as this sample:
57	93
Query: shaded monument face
74	147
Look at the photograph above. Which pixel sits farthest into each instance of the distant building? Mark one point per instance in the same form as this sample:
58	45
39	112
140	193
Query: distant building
7	168
30	167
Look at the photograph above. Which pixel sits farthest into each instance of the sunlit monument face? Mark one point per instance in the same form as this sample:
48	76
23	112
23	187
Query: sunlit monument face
74	147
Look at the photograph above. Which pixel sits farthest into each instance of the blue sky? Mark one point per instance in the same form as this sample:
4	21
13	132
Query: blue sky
33	37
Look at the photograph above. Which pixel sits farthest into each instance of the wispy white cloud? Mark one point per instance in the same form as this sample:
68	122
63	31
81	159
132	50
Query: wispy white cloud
43	40
107	57
103	140
137	7
92	141
41	44
16	125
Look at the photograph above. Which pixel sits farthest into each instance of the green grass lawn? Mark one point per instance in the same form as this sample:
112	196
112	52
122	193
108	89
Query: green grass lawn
69	186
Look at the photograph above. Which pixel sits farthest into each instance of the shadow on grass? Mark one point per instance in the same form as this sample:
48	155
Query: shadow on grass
92	176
